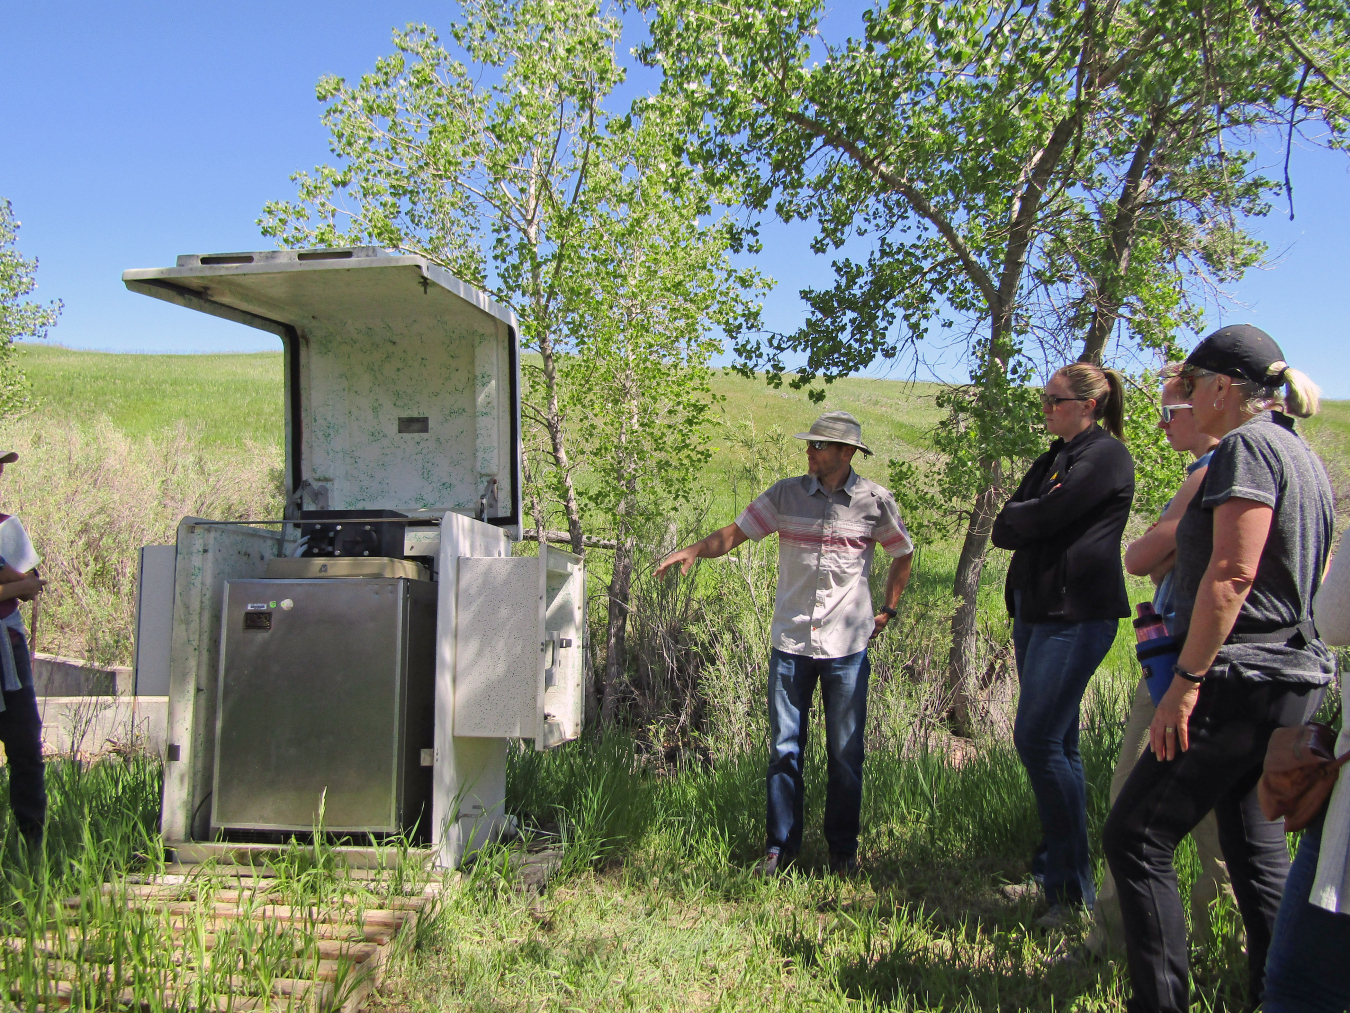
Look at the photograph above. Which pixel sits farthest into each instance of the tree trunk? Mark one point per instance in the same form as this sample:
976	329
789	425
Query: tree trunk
616	630
553	422
962	670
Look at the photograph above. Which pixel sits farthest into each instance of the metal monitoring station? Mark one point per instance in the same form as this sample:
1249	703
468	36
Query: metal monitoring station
363	660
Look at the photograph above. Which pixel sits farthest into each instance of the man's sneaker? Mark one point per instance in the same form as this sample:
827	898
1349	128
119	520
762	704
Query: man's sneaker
1018	892
844	865
1061	916
772	864
1078	956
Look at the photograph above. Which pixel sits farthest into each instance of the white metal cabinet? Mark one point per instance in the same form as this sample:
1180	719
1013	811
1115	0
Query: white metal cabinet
520	623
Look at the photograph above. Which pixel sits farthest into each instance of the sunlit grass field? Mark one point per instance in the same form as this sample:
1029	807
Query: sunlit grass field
655	907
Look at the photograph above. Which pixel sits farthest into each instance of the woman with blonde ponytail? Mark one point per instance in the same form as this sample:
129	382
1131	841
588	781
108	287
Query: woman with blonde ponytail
1251	549
1066	594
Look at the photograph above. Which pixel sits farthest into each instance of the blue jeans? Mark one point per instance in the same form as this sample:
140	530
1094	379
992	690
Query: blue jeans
1054	663
843	690
1306	967
21	734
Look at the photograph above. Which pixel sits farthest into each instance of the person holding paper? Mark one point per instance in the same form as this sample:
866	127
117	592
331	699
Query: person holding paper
20	722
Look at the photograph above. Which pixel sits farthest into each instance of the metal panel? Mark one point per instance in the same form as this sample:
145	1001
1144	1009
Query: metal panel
564	632
208	555
154	618
313	705
372	339
499	664
469	791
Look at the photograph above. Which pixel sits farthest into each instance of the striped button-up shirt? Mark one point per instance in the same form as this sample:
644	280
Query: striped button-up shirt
825	543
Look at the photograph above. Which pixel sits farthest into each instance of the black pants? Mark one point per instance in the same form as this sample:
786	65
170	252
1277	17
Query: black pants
1162	801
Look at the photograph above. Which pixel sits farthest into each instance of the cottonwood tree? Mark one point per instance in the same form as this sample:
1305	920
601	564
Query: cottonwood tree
650	289
19	317
962	137
510	172
478	167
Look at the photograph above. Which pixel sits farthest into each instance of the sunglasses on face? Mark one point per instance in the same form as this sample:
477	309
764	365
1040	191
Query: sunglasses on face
1169	410
820	444
1051	401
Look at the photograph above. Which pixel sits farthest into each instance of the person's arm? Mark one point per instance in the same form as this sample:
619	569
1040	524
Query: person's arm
14	584
1331	604
1001	535
1099	473
719	543
896	579
1148	553
1241	527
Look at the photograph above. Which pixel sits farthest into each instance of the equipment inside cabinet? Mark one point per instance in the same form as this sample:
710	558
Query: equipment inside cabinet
289	665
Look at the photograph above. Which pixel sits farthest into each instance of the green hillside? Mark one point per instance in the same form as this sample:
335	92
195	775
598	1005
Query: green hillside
233	398
238	397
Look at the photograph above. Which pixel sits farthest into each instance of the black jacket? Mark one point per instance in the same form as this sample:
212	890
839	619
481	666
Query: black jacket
1065	523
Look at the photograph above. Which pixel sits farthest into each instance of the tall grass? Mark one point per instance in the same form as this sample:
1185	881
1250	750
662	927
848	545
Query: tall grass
90	497
81	924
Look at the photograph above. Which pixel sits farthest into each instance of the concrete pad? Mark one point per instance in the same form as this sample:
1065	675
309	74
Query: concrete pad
90	725
54	675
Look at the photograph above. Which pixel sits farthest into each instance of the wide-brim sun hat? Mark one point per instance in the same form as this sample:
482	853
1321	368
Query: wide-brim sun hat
837	427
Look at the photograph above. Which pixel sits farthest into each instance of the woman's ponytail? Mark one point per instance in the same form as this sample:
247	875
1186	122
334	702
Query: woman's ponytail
1112	410
1105	386
1302	397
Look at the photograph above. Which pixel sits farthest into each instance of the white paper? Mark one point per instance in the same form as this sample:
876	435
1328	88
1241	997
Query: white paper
15	546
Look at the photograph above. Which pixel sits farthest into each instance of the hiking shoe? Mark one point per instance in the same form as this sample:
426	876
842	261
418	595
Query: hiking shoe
1017	892
843	865
1060	917
1078	956
772	865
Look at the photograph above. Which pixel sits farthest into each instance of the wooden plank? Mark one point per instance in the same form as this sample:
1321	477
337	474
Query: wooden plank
69	977
342	941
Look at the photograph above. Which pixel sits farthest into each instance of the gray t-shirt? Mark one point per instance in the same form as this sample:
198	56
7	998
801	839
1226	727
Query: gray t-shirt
1265	461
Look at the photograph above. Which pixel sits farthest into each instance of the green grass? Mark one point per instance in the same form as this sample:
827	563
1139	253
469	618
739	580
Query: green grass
233	398
657	907
70	914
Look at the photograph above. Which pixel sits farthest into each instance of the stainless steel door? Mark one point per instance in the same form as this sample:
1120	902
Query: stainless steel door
311	697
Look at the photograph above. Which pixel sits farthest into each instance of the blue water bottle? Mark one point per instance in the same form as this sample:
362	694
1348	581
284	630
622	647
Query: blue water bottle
1155	648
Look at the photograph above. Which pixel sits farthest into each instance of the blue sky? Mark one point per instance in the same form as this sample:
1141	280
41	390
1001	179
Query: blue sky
135	132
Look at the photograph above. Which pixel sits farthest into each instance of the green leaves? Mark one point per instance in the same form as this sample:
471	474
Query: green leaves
19	317
499	159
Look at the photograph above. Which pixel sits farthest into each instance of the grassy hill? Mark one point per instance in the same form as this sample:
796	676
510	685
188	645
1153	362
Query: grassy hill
233	398
238	397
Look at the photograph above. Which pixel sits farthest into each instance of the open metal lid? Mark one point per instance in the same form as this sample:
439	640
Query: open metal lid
269	289
402	382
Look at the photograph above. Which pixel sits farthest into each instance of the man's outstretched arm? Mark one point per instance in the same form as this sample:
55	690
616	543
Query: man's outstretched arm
719	543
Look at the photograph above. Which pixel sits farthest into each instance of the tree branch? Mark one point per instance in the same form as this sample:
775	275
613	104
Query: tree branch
917	200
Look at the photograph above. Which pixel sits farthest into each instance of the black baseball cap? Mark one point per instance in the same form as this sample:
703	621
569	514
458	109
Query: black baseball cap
1243	352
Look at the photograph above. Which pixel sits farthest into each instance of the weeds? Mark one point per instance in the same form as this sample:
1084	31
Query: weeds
90	924
91	497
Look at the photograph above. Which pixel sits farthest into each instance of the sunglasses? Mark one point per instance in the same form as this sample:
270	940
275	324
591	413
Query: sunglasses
820	444
1051	401
1168	410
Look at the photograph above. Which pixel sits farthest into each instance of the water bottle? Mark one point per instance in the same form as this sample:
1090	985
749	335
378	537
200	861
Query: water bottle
1155	648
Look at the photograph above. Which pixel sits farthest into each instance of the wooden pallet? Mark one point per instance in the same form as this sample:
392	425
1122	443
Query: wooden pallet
209	908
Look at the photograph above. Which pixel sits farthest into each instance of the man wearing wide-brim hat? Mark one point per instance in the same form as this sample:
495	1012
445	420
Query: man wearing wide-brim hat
828	522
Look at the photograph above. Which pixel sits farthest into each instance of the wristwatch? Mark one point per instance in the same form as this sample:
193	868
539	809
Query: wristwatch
1188	676
889	611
